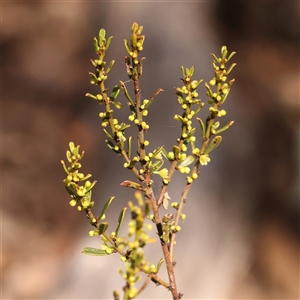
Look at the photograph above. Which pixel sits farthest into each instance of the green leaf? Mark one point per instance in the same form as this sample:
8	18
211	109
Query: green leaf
202	127
120	220
159	264
215	57
107	133
64	167
133	185
213	144
231	55
96	46
111	146
182	71
123	87
129	146
157	165
108	42
157	152
102	227
230	68
102	38
115	92
191	71
165	153
110	66
224	51
124	126
71	193
187	161
72	147
223	128
106	206
127	46
94	251
176	151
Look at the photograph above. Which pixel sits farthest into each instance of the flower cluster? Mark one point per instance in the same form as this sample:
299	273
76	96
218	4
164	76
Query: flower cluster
80	194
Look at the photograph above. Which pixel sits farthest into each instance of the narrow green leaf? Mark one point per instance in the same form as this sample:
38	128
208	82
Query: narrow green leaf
124	126
165	153
187	161
91	96
120	220
176	151
102	227
107	133
182	71
127	46
215	57
94	251
159	264
64	167
129	147
71	146
157	165
69	156
91	186
71	193
224	128
96	46
115	92
202	127
213	144
106	206
108	42
231	55
133	185
110	145
102	39
110	66
123	87
230	68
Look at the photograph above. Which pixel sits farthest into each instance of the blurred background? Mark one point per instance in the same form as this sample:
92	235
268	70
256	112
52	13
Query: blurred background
241	236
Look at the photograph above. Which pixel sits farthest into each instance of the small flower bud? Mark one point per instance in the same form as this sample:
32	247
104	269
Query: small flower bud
73	203
109	250
166	181
178	228
189	179
87	184
131	118
213	81
194	175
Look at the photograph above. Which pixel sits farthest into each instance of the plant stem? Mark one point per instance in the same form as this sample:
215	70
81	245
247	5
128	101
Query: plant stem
165	248
182	201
